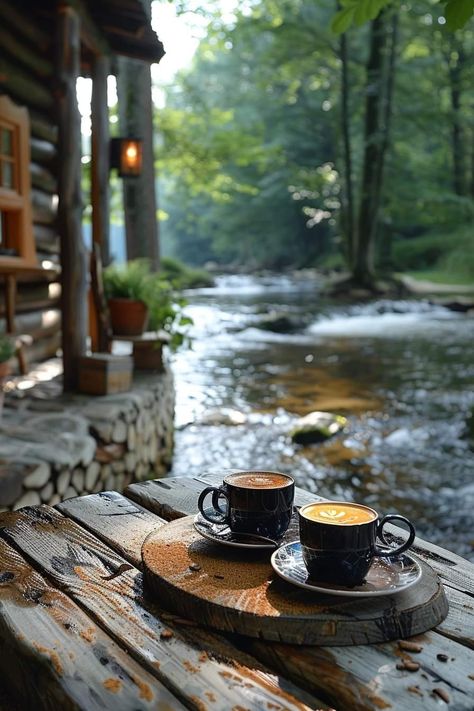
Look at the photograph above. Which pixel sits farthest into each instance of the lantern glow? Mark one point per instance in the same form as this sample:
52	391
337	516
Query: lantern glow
126	156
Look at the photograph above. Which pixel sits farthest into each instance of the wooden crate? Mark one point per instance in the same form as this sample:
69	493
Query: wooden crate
104	374
148	355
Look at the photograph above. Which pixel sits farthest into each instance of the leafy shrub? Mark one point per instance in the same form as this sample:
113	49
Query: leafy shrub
136	280
128	281
7	348
419	252
182	276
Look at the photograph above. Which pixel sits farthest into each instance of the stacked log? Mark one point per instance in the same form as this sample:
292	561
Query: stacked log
89	446
27	76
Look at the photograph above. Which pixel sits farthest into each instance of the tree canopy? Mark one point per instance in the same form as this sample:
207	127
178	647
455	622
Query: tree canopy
269	140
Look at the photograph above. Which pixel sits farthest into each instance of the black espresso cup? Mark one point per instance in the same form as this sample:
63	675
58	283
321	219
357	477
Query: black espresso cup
338	540
256	502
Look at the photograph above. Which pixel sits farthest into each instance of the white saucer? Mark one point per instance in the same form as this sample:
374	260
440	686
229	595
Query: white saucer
220	533
385	577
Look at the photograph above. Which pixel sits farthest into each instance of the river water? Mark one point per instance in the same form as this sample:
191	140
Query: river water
401	371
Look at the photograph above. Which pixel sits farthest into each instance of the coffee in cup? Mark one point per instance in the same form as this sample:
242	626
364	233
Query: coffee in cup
256	502
338	540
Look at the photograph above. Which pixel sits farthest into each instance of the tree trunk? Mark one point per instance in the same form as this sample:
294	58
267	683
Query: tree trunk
456	61
348	198
139	195
380	72
100	157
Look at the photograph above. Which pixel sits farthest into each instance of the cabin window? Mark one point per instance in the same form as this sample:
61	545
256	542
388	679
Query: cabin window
16	233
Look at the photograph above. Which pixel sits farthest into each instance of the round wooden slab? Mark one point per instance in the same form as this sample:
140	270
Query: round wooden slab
237	591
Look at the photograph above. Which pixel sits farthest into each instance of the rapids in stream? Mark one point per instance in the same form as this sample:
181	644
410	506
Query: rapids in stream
401	371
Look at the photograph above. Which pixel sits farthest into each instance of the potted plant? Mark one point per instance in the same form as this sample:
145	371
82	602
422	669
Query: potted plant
7	349
127	288
137	297
167	321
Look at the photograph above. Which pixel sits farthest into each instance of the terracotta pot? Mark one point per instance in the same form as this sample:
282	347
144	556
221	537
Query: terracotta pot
128	317
4	370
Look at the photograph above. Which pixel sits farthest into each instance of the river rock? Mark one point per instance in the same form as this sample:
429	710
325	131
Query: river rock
224	416
280	323
317	427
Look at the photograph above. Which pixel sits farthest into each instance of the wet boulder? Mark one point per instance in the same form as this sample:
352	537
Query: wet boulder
278	322
317	427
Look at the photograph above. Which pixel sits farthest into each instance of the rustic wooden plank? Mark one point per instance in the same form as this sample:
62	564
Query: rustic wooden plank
358	679
43	205
117	521
42	151
168	498
30	31
43	128
459	624
23	86
54	654
110	590
43	179
331	671
25	53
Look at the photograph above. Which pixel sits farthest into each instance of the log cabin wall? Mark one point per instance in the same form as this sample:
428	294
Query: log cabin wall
27	77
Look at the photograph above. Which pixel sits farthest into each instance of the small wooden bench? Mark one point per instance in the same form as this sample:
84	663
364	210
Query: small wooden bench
78	631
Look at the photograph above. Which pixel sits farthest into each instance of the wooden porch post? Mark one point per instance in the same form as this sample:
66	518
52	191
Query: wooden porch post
73	253
100	157
139	194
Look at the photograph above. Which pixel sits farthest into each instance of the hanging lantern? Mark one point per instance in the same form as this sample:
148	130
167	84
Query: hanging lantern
126	155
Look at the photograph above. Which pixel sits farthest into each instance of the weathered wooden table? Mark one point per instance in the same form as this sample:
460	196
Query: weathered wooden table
76	630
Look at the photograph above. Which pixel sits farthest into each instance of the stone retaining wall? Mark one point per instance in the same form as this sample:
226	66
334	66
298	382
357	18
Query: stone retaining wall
51	450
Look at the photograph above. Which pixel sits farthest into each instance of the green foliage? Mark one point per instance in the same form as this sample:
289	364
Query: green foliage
458	13
419	252
182	277
7	348
128	281
452	253
357	12
136	280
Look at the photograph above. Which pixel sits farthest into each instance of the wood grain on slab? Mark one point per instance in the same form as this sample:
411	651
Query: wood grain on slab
117	521
51	651
110	590
237	591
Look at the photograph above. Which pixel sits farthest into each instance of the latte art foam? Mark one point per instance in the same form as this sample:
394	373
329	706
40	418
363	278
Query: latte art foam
259	480
338	514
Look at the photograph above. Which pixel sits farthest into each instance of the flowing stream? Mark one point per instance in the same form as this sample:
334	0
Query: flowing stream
401	371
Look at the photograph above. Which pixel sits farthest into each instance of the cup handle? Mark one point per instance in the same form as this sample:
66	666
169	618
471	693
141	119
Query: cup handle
220	516
395	551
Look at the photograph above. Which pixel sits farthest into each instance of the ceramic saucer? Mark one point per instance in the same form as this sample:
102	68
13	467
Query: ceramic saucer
221	533
385	577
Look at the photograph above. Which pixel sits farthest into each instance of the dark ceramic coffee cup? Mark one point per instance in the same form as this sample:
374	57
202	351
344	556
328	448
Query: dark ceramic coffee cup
256	502
338	540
